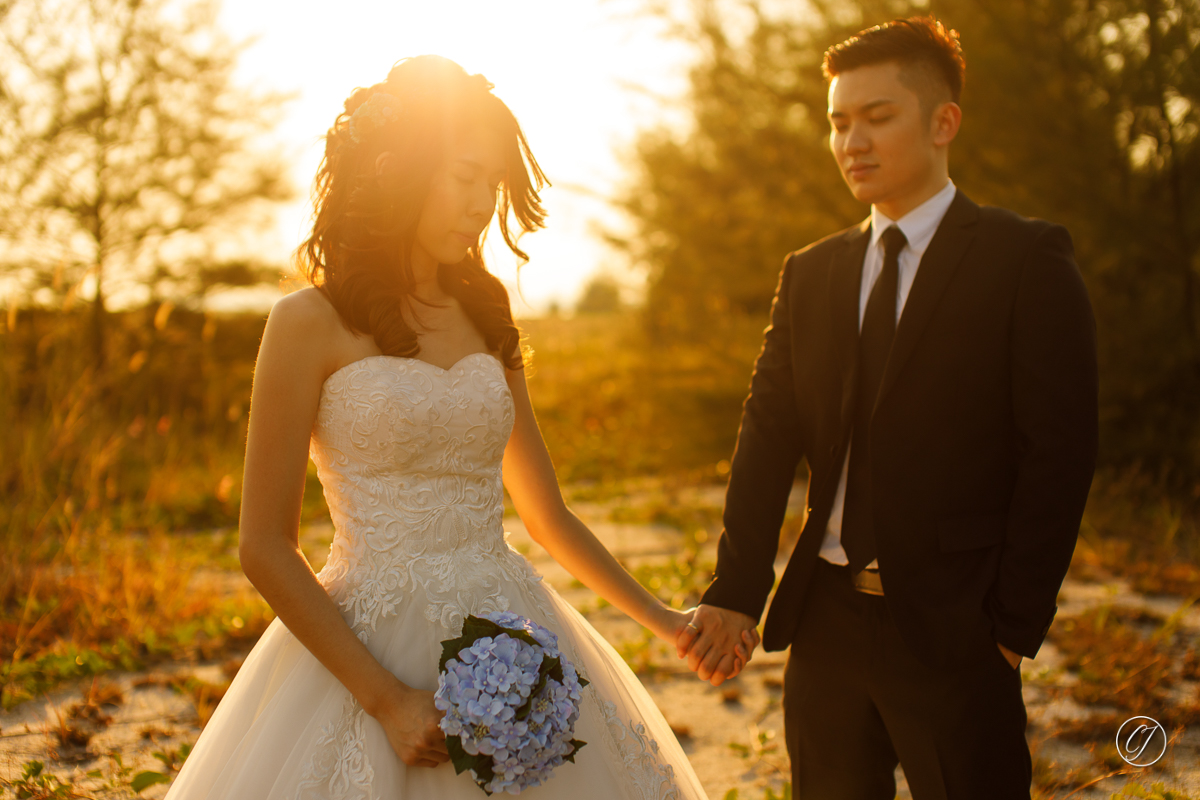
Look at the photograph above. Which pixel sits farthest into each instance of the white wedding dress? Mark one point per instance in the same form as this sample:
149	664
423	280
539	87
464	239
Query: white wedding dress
409	457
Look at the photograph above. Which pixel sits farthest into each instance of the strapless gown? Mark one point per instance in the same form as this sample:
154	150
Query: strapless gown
409	455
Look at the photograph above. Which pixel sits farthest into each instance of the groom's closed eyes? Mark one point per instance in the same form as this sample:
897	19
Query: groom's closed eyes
875	112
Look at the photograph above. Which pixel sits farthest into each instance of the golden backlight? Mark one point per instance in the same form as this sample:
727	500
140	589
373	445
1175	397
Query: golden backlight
565	68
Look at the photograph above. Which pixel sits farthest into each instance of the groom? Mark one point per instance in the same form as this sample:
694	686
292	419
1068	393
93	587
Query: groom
935	366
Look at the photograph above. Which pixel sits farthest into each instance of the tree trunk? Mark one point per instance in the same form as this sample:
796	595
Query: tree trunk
1175	181
98	318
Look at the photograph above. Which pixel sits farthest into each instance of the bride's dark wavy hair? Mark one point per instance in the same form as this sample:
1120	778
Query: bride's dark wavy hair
364	225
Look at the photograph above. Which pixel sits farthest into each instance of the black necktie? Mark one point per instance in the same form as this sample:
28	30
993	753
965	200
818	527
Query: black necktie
874	345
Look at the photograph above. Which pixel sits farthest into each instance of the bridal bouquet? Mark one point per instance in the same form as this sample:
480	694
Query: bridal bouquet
511	702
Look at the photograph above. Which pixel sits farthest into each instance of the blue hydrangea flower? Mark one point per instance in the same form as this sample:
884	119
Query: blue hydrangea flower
497	726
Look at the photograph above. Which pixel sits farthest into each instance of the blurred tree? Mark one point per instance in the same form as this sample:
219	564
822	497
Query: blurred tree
717	208
600	295
124	144
1087	114
201	277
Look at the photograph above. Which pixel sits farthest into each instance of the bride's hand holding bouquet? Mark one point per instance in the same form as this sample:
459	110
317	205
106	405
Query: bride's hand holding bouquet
410	721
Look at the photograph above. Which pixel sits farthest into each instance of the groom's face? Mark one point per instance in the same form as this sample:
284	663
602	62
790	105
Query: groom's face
880	135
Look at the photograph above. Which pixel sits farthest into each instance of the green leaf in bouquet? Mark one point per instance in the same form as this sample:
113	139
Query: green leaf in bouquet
578	745
471	632
480	765
474	629
553	668
554	665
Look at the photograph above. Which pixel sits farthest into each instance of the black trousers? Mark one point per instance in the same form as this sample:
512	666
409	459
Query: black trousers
856	702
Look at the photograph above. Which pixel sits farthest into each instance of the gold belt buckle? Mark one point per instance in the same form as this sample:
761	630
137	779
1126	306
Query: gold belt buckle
868	582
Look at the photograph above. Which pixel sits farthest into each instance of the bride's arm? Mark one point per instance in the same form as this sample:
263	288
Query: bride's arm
530	480
293	361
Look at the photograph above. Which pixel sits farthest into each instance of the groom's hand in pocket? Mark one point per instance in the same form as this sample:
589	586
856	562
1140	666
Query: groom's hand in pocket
1013	657
718	644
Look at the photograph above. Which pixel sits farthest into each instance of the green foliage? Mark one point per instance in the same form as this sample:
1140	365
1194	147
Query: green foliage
37	784
1107	145
717	209
681	581
785	793
762	744
34	785
1157	791
1084	114
120	774
25	679
174	757
640	652
144	780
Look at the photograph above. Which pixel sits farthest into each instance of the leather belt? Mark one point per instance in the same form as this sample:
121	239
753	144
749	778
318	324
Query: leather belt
867	581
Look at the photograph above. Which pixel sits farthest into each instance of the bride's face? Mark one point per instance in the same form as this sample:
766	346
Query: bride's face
461	199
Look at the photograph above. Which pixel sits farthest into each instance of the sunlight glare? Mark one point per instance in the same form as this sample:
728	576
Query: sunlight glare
564	68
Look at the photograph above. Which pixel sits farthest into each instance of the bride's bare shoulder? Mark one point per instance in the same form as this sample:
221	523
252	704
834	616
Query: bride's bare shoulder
307	306
304	325
306	313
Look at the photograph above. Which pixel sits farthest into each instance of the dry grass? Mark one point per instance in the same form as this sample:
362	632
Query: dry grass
1137	530
1127	659
204	696
119	601
1126	662
106	467
613	403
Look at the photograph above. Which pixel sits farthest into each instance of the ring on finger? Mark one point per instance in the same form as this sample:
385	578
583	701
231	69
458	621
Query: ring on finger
693	626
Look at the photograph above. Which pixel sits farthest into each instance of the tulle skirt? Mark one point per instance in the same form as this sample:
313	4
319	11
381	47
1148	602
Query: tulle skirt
287	729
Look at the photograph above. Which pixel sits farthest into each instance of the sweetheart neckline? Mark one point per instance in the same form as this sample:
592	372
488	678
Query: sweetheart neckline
440	370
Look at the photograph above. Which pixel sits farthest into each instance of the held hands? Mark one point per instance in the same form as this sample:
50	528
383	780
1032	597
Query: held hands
717	643
410	721
668	624
680	629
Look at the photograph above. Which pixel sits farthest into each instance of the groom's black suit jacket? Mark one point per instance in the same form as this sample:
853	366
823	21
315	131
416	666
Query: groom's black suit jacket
983	441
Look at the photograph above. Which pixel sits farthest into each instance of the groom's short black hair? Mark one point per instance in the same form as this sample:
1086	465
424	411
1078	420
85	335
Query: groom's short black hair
930	58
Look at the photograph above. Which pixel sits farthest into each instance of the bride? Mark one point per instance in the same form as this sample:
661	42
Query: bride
399	372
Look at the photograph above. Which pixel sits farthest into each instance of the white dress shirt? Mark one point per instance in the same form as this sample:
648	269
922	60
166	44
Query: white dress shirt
918	227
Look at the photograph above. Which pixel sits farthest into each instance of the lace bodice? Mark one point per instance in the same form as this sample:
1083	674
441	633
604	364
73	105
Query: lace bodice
409	458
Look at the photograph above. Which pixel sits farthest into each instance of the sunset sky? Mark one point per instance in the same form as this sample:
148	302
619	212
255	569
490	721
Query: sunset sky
583	77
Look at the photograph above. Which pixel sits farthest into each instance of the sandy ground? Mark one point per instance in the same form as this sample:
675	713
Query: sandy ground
733	734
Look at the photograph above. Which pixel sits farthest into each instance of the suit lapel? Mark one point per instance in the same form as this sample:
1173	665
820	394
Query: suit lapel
845	280
938	265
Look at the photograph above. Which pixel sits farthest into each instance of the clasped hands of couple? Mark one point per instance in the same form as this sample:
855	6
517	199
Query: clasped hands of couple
718	643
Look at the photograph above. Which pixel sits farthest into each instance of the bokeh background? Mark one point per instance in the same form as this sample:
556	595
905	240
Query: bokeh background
154	168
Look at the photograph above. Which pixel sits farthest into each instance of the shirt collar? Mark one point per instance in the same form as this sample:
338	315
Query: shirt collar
918	225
